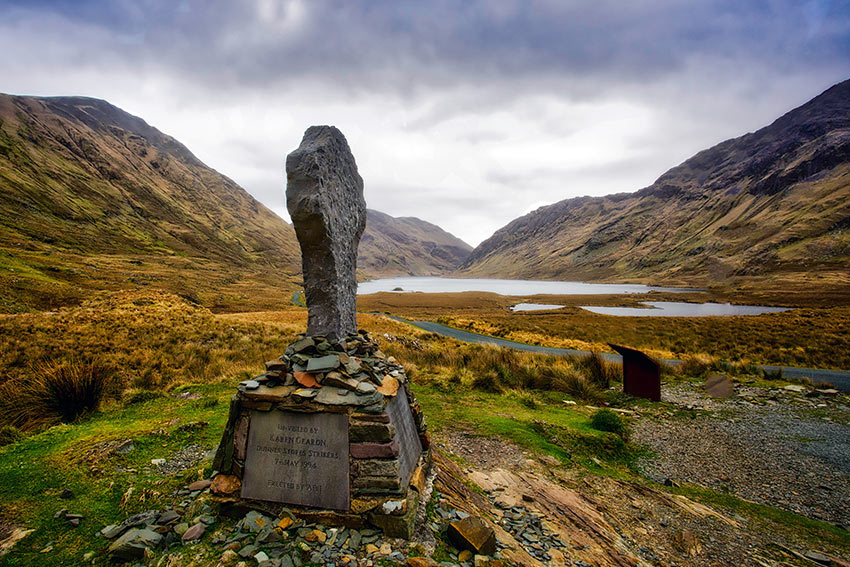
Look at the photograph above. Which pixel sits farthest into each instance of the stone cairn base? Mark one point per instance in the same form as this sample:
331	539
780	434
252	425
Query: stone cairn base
388	445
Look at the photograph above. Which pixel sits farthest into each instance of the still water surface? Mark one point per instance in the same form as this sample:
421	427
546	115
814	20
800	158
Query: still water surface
534	306
678	309
503	287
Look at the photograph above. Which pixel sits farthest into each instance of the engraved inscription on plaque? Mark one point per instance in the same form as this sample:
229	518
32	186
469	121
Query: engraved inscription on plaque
298	458
408	439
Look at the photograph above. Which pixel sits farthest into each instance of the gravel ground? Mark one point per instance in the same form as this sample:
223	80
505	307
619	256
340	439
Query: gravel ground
483	453
770	446
184	459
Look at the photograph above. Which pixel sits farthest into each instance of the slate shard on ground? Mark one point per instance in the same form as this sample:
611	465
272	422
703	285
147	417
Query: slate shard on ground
473	534
324	196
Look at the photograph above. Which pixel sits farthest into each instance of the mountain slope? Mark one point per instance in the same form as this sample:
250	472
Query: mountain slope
772	202
402	246
93	197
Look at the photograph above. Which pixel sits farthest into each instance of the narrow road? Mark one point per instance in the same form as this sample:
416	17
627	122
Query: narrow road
840	379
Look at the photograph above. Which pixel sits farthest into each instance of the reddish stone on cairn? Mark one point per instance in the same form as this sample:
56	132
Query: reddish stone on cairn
306	379
374	450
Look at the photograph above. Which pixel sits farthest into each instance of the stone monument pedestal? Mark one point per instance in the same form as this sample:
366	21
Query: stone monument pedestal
330	432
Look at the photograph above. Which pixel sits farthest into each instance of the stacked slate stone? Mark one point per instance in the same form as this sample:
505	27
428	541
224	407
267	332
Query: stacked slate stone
354	364
281	541
350	376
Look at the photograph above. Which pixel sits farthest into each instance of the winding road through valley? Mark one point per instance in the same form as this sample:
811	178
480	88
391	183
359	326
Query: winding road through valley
838	378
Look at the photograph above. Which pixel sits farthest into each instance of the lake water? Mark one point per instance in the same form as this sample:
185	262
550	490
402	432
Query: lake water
503	287
534	307
678	309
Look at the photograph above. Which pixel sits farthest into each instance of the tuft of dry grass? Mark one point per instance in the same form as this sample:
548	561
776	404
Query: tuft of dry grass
54	393
570	381
152	339
488	381
9	434
600	372
450	364
694	365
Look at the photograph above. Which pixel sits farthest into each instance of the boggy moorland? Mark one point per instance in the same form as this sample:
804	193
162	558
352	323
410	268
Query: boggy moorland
812	334
518	436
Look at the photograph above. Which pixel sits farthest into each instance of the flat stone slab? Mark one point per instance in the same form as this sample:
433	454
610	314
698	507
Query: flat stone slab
406	435
473	534
299	459
266	394
719	385
374	450
337	397
323	363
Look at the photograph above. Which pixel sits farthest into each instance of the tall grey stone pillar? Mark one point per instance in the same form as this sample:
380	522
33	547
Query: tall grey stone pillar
324	195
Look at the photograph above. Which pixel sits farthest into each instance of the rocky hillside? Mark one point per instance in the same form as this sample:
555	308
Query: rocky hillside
407	246
93	197
773	202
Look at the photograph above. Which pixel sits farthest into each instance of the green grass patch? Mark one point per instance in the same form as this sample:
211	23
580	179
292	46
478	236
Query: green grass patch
547	426
35	470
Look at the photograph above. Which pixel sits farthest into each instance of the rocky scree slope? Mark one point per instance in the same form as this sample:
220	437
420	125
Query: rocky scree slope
407	246
776	201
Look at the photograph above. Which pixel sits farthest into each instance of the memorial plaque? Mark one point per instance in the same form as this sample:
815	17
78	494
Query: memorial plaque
405	433
298	458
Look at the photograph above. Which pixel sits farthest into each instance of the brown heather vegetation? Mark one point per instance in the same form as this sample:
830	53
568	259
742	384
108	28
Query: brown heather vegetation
151	339
59	365
448	364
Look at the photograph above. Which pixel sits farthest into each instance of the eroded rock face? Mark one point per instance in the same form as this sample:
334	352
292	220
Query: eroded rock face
324	196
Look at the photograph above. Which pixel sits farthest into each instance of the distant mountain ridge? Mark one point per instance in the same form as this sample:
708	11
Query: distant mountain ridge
776	201
407	246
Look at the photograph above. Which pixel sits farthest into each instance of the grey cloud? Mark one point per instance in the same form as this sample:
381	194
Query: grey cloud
406	46
616	167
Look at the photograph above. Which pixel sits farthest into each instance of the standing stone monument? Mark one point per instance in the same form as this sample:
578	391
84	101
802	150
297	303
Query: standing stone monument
324	196
331	430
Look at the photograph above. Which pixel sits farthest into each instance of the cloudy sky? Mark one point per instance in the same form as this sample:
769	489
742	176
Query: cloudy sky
464	113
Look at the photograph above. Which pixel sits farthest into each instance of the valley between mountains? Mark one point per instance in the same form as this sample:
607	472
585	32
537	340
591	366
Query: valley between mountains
143	286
